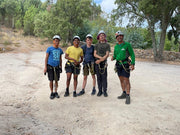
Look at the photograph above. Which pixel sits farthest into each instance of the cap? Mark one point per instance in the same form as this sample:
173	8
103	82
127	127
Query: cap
118	33
76	37
89	35
101	32
57	37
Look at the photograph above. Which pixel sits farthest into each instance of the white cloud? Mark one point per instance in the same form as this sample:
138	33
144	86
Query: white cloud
108	5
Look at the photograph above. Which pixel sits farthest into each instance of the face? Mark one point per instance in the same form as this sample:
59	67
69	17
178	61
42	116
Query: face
102	37
56	42
89	41
120	38
76	42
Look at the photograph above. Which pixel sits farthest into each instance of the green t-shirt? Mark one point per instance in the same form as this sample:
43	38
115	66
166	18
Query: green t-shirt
122	51
101	49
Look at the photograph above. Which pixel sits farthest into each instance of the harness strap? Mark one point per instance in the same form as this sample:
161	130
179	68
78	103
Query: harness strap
103	68
54	69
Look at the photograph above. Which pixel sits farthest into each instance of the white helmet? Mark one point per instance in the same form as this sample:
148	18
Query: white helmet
57	37
76	37
101	32
118	33
89	35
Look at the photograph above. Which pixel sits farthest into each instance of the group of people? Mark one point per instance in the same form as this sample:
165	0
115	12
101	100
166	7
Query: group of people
94	59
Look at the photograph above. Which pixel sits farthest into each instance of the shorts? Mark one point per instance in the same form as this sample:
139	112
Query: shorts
71	68
88	68
51	74
123	71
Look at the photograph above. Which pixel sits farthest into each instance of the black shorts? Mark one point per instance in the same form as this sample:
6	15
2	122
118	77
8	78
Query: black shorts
123	70
51	75
71	68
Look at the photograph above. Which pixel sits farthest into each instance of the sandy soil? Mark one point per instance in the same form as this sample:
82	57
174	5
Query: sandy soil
27	110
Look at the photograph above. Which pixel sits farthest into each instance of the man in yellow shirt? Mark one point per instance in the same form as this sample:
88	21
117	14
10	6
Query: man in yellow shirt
74	55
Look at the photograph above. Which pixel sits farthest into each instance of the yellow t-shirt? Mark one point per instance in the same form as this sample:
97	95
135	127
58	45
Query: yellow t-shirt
74	53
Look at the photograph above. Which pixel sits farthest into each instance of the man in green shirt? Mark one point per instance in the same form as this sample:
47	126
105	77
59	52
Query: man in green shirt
122	52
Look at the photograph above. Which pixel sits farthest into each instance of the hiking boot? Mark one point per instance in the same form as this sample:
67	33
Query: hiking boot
93	92
123	96
105	94
56	95
127	100
81	93
66	94
74	94
52	96
99	93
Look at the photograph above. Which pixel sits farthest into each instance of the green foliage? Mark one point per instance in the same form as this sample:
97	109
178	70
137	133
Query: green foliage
134	37
155	12
18	24
70	14
83	30
29	20
46	25
170	45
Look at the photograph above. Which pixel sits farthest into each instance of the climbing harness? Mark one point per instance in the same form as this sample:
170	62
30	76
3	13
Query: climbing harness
103	69
54	70
74	66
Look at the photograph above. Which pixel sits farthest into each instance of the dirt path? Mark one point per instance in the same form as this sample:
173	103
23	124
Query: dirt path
27	110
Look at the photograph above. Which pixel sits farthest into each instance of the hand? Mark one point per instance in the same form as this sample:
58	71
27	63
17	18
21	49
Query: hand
45	70
60	70
102	59
112	58
132	67
76	63
97	61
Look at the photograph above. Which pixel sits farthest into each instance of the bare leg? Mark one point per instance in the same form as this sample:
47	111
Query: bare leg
68	79
56	86
84	82
122	83
127	85
51	86
75	82
94	80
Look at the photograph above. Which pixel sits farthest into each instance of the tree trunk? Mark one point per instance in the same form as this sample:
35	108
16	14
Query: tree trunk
3	20
154	43
70	38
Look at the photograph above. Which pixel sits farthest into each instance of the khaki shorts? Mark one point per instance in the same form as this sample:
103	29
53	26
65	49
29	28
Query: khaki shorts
88	68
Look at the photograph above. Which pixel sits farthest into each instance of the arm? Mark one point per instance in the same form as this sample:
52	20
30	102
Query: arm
131	52
60	63
114	55
97	56
46	61
69	58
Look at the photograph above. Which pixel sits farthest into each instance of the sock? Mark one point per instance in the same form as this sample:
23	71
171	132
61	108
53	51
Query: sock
82	89
124	92
67	89
93	88
127	94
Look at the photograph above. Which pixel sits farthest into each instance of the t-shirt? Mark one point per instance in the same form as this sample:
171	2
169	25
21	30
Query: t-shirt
122	51
101	49
54	56
88	53
74	53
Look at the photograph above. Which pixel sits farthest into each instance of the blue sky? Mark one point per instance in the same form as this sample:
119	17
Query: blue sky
106	5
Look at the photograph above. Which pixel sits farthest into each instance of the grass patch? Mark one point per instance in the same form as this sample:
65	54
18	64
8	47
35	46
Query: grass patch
7	43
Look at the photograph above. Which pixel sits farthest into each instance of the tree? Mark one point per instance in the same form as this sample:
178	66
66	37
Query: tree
70	14
29	20
8	10
155	12
175	28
